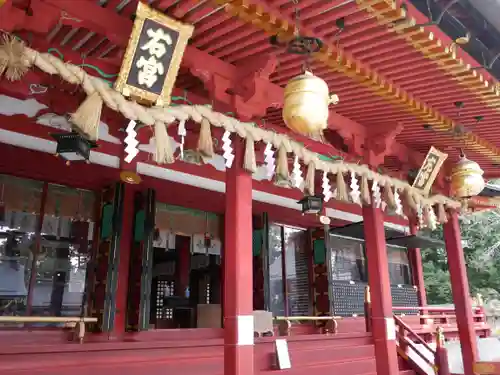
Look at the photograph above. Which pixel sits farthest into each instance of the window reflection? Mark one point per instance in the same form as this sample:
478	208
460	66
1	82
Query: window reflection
14	271
43	267
276	288
348	260
399	269
19	214
289	286
297	272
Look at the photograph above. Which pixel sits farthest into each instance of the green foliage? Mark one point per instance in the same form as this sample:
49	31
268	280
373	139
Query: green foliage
481	244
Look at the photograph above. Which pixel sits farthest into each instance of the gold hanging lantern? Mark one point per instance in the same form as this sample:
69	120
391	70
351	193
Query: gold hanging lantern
305	109
466	178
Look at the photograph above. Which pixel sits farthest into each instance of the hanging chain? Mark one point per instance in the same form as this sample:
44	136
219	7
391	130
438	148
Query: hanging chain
297	18
306	66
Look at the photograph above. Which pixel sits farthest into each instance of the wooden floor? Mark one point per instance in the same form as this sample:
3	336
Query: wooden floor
185	352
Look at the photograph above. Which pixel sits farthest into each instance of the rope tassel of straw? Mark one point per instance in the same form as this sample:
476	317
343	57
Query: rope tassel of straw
164	153
341	187
282	172
389	198
410	201
441	213
249	162
309	182
88	116
205	141
365	191
13	62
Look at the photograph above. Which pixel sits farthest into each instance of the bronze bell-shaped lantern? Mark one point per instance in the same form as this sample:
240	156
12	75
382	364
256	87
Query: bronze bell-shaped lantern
305	109
466	178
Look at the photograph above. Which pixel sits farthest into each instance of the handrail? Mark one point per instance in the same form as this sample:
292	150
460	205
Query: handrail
432	309
440	365
415	349
285	325
413	333
487	368
78	321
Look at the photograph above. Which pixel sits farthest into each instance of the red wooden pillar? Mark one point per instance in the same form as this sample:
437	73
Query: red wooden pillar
460	291
125	247
383	327
237	257
417	269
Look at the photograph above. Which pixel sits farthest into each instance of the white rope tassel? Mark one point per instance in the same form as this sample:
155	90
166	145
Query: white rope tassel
297	178
270	161
228	150
355	193
377	196
327	189
181	131
162	116
131	142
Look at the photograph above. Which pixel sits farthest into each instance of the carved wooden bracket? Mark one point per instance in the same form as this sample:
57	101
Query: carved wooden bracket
247	89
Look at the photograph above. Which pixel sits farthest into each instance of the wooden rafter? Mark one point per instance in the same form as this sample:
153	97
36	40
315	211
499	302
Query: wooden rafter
273	22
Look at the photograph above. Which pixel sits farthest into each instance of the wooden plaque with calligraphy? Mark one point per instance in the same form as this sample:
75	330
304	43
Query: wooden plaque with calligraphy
429	170
153	57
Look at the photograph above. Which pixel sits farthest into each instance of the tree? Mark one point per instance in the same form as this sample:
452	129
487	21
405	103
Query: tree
481	244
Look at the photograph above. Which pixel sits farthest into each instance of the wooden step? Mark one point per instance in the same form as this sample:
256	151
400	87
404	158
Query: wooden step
329	355
407	372
357	367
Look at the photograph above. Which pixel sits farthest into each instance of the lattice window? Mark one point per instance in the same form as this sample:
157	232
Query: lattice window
165	288
207	293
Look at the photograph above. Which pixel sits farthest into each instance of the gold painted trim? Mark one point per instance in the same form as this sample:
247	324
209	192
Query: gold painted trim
339	60
185	31
436	50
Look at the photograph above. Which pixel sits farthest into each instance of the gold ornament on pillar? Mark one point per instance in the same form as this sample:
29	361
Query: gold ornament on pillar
466	178
305	109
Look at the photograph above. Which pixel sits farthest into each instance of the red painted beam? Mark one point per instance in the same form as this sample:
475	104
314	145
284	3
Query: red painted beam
117	28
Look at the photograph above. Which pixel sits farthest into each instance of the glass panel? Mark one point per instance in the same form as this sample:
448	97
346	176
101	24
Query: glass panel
19	209
348	261
297	272
399	269
65	249
276	270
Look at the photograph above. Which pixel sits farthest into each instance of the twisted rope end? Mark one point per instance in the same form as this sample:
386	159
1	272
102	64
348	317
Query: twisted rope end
13	62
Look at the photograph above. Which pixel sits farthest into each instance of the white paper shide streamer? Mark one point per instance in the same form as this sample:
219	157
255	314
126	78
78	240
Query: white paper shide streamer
181	131
131	142
269	160
432	219
327	189
399	205
355	194
228	150
420	216
376	194
297	178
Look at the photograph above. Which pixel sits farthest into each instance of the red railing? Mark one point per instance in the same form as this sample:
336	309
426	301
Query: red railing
407	338
487	368
431	317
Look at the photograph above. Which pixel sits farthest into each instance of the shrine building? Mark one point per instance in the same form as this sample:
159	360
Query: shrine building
242	187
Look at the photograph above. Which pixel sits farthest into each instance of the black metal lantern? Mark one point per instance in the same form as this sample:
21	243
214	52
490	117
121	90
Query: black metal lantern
311	204
73	147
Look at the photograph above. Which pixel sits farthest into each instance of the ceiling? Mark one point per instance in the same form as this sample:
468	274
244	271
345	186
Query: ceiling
410	88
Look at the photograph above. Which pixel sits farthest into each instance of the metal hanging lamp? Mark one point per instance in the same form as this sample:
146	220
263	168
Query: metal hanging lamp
466	178
306	96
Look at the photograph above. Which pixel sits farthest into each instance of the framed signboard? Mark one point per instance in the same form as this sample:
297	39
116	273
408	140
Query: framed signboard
429	170
153	57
